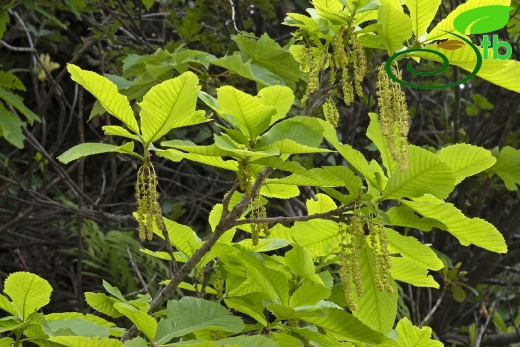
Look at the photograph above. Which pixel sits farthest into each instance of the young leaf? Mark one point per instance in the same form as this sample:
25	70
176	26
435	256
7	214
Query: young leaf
319	237
375	134
299	261
279	191
408	271
106	92
103	303
308	294
375	308
191	314
467	230
508	167
345	325
411	336
247	111
410	248
7	305
281	98
466	160
83	341
144	322
170	105
426	174
396	26
84	149
17	103
28	292
422	13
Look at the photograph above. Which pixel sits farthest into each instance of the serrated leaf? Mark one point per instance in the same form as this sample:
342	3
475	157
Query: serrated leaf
279	97
422	13
426	174
507	167
319	237
466	160
345	325
84	149
407	271
191	314
181	236
106	92
468	231
7	305
267	53
83	341
75	326
249	341
396	26
11	127
10	81
102	303
247	111
411	336
235	64
308	294
111	130
169	105
6	341
375	134
279	191
28	292
405	217
17	103
290	130
375	308
299	261
144	322
410	248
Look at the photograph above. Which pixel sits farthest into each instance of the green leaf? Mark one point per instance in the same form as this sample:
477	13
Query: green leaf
249	341
407	271
300	262
144	322
85	149
75	326
148	3
137	342
116	130
482	20
83	341
103	303
290	130
375	308
357	160
281	98
422	13
467	230
500	72
405	217
375	134
466	160
106	92
170	105
319	237
247	111
267	53
410	248
11	127
10	81
7	305
279	191
192	314
181	236
4	20
507	167
17	103
396	26
28	292
411	336
426	174
247	70
6	341
308	294
345	325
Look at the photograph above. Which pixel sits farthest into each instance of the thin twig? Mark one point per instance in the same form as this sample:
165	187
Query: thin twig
233	15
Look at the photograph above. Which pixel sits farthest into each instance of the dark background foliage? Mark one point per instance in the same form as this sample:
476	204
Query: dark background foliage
49	211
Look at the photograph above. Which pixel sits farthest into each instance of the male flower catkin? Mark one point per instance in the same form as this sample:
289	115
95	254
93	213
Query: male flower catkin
392	111
148	208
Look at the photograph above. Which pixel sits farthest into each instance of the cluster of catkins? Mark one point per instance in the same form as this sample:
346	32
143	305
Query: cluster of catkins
148	208
344	60
353	240
393	111
258	211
